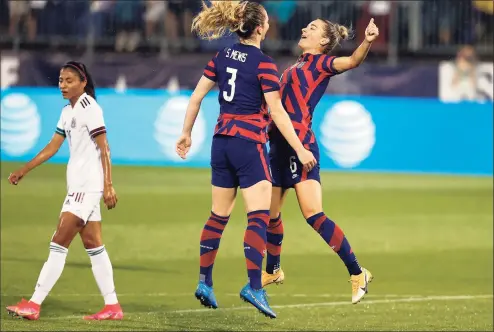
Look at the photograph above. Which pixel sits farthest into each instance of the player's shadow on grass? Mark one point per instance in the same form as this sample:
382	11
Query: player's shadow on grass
122	267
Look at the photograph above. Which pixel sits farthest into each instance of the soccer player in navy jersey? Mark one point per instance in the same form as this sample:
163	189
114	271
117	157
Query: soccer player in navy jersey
302	86
248	83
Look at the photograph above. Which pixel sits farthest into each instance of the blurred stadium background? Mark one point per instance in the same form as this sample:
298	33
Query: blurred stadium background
407	142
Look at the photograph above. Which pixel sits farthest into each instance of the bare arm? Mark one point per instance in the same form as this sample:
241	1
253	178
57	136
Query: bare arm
104	148
284	125
185	141
48	151
344	63
203	87
109	194
282	120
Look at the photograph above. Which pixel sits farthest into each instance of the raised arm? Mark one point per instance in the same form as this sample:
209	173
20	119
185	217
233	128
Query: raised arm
344	63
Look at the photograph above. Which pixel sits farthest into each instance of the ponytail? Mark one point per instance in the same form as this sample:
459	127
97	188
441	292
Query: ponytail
224	17
335	33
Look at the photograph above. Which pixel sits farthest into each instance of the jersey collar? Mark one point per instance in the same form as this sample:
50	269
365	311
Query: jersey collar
78	100
305	57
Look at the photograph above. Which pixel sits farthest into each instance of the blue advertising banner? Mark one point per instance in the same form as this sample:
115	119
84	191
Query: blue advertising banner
358	133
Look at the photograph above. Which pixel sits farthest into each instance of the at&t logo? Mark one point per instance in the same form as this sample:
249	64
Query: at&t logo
168	127
20	124
348	133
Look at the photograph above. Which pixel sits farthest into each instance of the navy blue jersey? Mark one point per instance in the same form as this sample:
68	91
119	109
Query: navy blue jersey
243	74
302	86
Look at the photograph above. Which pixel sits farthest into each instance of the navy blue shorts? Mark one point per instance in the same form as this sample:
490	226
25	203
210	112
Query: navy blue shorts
286	169
238	162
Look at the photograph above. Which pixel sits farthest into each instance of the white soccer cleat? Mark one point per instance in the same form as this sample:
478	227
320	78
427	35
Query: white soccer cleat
359	285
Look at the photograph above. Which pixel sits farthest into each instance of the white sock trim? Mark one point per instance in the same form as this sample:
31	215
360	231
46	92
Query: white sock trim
55	247
95	251
103	273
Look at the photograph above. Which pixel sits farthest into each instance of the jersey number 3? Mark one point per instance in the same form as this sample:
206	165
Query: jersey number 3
231	82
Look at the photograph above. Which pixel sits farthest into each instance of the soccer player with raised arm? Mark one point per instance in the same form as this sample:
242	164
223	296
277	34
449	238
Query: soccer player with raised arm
248	82
302	86
89	178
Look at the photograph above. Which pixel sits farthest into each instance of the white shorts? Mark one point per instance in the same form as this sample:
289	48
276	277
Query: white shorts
83	205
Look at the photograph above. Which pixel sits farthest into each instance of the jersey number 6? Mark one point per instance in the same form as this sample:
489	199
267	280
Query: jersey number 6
293	164
231	82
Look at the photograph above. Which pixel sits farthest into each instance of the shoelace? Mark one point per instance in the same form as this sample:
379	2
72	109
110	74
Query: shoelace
355	284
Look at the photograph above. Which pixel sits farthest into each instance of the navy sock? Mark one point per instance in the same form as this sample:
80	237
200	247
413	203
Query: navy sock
274	240
210	242
255	245
334	237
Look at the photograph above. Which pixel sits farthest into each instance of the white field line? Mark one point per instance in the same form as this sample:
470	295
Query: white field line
191	294
340	303
311	305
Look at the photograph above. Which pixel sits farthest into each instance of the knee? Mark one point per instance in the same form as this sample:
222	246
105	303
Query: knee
310	211
91	241
222	209
258	196
61	239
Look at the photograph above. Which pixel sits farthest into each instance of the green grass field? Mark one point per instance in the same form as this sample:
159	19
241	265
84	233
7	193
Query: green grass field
427	239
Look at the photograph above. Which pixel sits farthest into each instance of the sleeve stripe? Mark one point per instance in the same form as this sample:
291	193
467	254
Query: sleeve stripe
330	65
266	88
97	129
212	78
97	133
319	63
269	77
270	83
327	64
60	132
267	71
209	73
211	64
267	65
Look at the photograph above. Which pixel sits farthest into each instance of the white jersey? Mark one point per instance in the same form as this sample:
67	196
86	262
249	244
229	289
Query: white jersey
80	125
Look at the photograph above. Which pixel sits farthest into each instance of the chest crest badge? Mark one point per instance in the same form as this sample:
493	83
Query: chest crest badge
73	123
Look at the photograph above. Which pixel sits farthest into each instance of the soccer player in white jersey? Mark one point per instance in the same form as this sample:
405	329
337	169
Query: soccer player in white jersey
89	178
